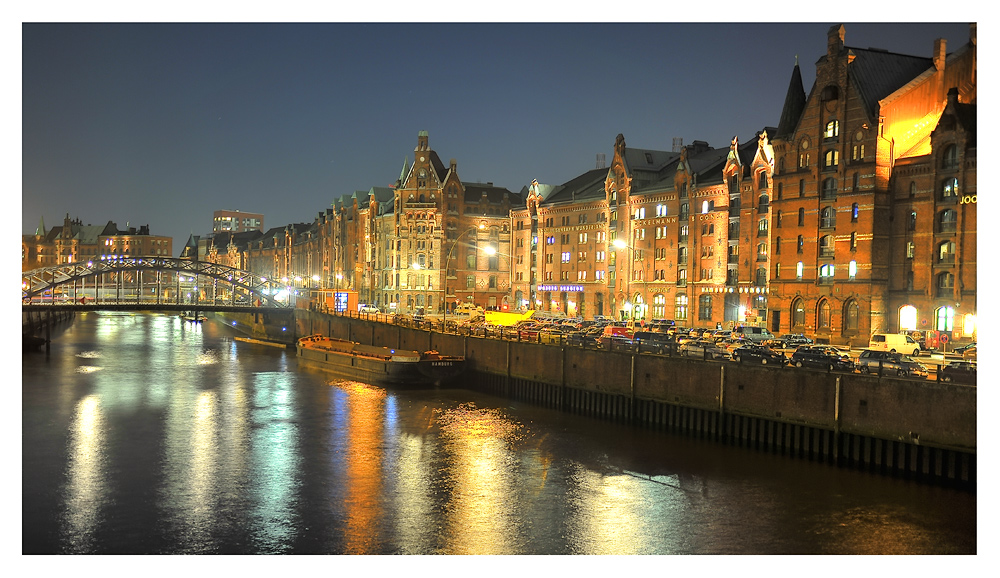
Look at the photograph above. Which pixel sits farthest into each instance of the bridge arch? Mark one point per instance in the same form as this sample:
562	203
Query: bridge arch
238	286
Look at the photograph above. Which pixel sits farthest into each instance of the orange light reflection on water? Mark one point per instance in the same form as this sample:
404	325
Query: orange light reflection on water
482	515
366	416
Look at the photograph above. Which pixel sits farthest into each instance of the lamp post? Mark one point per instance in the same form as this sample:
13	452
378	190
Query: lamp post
447	262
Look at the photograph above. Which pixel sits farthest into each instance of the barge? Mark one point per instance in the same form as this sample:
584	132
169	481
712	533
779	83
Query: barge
382	366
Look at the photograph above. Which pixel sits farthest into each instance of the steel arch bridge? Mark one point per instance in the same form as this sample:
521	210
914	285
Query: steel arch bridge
150	281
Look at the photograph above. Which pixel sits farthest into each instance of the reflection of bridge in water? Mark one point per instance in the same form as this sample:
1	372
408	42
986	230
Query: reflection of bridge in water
150	283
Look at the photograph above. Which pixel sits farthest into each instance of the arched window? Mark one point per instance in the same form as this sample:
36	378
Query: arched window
947	221
777	246
777	219
912	223
949	158
823	315
944	319
852	314
683	216
854	213
800	243
828	218
760	279
762	181
802	217
831	159
798	313
949	189
908	318
826	246
913	188
832	129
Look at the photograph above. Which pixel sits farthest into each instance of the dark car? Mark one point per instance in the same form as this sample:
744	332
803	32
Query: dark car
703	349
754	353
652	342
889	362
823	357
959	372
794	340
964	348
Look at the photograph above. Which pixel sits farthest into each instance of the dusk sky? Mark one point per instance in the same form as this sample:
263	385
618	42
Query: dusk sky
162	124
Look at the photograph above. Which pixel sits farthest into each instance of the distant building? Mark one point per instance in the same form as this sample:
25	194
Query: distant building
236	222
74	242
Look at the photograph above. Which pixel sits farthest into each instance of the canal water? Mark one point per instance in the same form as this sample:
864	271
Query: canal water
145	433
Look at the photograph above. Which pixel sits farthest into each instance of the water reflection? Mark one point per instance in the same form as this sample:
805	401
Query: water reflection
482	516
274	461
365	417
85	473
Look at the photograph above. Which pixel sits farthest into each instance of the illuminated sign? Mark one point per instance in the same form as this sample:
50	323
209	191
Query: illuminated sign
567	288
968	199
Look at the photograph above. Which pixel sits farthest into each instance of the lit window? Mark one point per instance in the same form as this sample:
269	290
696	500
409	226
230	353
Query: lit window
852	269
798	270
908	317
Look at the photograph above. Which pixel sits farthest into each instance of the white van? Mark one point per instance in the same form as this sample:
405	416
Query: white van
894	342
755	334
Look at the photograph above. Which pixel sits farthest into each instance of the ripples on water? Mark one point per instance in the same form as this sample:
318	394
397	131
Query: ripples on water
145	435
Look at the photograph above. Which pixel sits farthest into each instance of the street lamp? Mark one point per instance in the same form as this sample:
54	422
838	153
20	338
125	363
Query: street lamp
447	262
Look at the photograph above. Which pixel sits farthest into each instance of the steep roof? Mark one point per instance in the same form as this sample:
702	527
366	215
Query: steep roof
795	103
878	73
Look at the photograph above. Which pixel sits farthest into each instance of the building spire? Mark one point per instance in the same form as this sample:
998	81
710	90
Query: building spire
40	231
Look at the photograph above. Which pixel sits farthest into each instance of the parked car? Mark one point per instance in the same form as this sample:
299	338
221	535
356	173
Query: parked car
969	353
794	340
894	342
823	357
872	361
964	348
582	339
755	334
652	342
369	309
756	353
959	372
703	349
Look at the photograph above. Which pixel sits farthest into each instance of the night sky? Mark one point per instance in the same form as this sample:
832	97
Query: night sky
162	124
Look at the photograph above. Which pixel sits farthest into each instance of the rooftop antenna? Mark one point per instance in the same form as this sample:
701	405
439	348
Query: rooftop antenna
678	144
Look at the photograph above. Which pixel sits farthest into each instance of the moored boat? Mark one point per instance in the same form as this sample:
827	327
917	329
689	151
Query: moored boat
379	365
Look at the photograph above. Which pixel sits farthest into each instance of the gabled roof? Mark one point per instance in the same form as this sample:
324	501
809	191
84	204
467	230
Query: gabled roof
878	73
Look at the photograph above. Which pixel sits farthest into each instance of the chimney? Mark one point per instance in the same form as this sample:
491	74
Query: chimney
940	54
835	40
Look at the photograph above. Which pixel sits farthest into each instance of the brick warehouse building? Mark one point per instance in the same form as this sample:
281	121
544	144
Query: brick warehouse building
855	214
655	236
854	159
